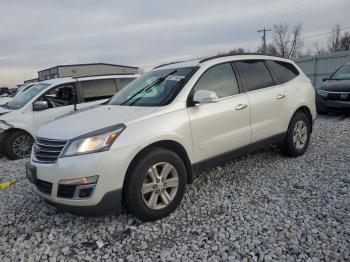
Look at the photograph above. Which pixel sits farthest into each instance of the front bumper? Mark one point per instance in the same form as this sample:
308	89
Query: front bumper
331	105
111	167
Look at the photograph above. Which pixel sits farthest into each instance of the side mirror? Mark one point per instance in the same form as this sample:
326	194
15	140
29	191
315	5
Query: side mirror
325	79
205	96
40	105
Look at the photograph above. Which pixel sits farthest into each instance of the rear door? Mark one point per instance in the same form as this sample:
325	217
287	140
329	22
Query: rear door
268	101
222	126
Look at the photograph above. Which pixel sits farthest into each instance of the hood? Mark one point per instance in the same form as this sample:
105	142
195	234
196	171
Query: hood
336	86
4	100
4	111
85	122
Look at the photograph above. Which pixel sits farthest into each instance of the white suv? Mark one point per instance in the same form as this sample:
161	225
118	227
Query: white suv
21	117
142	148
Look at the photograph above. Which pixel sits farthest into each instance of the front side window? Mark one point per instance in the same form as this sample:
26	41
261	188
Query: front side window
342	73
23	98
283	71
220	79
98	89
156	88
255	74
62	95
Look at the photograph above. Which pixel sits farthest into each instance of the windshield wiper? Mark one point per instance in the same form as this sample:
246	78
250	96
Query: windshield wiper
148	87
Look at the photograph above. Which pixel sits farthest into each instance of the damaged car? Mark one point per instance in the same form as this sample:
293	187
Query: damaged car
45	101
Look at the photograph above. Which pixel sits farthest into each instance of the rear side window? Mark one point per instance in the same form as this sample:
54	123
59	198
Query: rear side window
220	79
255	74
98	89
122	82
283	71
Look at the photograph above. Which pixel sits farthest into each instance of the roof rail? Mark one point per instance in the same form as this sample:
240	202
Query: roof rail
225	55
128	74
169	64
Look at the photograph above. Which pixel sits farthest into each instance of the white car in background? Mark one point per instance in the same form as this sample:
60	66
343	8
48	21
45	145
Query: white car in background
16	92
45	101
142	148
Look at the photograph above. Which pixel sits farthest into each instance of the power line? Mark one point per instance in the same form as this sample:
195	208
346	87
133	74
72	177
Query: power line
296	7
321	34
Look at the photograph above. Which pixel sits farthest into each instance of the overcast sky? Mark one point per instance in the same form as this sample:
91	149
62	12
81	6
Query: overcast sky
35	35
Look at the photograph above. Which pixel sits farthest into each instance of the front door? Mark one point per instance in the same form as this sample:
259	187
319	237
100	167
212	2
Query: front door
61	102
222	126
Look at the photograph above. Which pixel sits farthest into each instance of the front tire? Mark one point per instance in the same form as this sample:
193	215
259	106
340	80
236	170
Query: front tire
298	135
156	185
17	145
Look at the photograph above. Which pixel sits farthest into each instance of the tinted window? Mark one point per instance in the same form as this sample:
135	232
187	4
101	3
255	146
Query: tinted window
283	71
255	74
98	89
220	79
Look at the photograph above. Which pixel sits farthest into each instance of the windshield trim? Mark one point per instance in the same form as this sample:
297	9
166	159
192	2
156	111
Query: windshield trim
170	99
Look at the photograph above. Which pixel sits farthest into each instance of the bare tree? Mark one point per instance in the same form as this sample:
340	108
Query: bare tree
286	43
345	42
270	49
334	40
235	51
319	50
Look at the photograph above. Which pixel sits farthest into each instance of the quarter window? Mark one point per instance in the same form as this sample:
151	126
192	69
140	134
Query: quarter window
283	71
220	79
98	89
255	74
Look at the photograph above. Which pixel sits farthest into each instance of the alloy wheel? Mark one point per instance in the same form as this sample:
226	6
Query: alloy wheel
22	146
300	135
160	186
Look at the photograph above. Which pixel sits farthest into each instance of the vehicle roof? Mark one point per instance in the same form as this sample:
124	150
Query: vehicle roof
63	80
219	59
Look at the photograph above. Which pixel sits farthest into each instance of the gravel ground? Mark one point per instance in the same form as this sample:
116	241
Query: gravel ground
262	207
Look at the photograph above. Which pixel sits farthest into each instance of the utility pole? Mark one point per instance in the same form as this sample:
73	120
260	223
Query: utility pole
264	37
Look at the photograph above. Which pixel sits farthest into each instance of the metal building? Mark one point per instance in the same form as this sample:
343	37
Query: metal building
319	67
85	70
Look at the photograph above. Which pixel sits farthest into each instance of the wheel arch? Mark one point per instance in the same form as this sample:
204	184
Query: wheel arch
166	144
14	129
306	110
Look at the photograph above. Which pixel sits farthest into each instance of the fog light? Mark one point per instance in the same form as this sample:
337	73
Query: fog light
79	181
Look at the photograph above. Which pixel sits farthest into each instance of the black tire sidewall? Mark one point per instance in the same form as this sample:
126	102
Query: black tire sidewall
132	192
290	148
8	143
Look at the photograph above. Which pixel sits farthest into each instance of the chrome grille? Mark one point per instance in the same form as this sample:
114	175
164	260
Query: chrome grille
48	150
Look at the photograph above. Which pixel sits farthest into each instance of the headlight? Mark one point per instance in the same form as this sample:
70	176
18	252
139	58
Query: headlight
93	142
322	93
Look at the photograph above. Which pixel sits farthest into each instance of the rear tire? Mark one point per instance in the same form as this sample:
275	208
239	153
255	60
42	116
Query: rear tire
298	135
156	185
17	145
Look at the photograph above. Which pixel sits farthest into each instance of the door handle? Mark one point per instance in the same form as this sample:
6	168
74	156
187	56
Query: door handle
280	96
241	106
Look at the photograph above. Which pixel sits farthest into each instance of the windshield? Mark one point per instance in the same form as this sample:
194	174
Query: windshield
24	97
342	73
151	89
